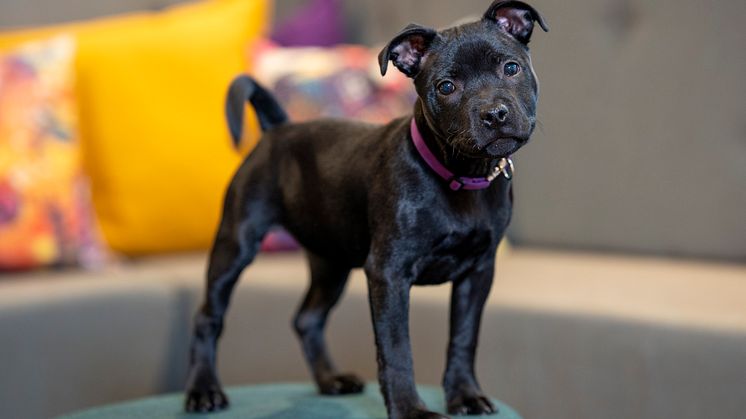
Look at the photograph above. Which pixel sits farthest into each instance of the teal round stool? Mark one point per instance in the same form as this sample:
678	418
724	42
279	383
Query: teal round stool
276	401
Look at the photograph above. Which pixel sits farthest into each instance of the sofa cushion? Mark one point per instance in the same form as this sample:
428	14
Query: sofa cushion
564	335
78	339
151	88
45	208
338	82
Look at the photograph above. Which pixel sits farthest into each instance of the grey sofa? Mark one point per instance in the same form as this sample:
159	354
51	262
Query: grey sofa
565	335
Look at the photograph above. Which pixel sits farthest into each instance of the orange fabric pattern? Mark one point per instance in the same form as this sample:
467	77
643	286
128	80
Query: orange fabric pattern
44	206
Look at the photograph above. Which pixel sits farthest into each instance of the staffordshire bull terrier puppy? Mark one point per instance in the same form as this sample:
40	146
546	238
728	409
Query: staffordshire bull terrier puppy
422	200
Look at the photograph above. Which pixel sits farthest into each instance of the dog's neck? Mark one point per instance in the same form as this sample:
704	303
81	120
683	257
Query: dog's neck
456	162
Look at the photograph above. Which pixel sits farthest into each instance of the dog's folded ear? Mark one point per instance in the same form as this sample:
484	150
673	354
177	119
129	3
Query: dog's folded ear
515	18
408	50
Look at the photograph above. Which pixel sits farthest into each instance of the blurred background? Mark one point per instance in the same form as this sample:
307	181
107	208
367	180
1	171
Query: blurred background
621	290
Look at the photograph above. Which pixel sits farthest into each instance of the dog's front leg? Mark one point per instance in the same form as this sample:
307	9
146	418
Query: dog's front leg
468	296
389	305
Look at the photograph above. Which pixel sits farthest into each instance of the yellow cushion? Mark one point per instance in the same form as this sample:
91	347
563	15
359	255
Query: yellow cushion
151	88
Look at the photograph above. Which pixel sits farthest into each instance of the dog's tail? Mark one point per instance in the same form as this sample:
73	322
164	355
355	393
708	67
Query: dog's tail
268	111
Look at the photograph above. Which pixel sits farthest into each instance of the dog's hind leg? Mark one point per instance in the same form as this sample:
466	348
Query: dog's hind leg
245	221
327	284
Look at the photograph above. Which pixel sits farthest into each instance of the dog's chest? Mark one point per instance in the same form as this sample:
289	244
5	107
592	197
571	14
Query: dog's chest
455	254
449	236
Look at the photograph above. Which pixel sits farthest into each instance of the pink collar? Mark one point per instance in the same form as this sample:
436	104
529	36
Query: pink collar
504	166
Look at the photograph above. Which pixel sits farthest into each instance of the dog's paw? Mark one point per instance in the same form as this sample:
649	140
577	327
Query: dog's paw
471	405
204	401
341	384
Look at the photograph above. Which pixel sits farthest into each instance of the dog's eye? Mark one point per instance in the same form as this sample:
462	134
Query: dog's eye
446	88
511	69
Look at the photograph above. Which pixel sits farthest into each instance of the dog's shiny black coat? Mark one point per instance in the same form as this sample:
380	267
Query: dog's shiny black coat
359	195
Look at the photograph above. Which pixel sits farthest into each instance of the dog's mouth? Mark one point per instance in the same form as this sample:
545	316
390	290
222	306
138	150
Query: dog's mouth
503	146
492	148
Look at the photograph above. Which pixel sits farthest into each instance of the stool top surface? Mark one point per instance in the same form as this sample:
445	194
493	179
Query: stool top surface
276	401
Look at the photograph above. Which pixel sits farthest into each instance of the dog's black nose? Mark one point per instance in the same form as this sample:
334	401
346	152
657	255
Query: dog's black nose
492	117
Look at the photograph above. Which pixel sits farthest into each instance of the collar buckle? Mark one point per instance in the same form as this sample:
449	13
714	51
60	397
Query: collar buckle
504	167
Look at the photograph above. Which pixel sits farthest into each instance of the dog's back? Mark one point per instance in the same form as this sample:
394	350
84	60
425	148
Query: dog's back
323	180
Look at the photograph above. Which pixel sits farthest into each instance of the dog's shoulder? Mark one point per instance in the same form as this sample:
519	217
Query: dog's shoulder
342	136
323	128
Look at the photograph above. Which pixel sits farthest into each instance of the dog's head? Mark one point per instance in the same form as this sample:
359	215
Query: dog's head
475	81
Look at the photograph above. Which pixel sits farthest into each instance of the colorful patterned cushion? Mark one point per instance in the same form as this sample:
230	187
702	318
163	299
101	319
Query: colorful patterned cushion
151	89
343	81
45	212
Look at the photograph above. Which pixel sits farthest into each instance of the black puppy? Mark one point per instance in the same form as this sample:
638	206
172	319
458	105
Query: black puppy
423	200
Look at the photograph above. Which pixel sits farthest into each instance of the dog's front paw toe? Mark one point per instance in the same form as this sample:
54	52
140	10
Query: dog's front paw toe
342	384
474	405
199	401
